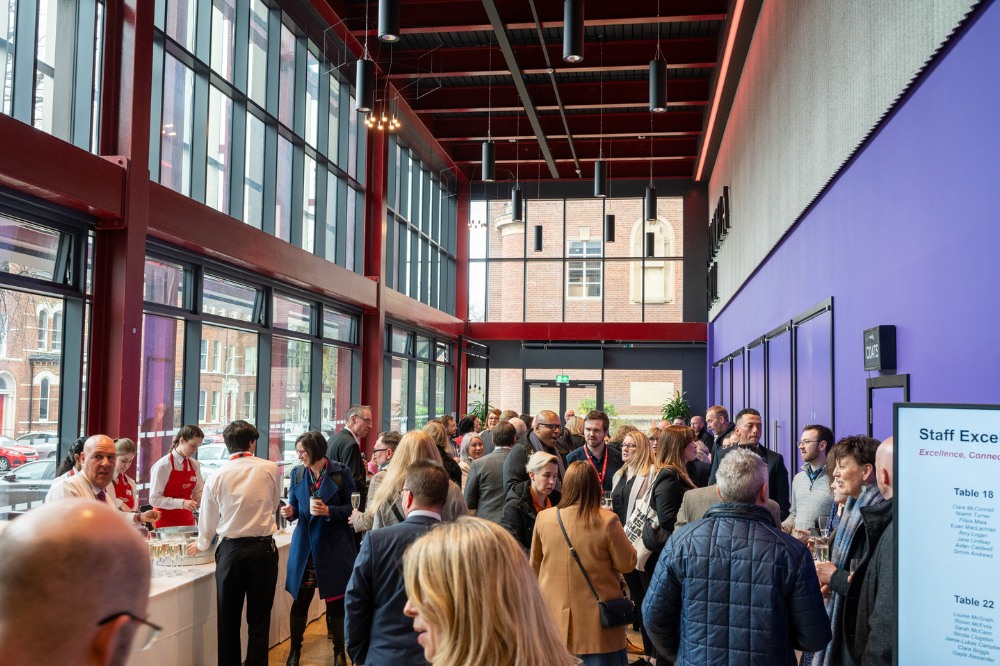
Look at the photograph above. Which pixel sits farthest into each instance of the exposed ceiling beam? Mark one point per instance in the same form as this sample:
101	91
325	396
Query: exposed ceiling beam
618	57
431	16
672	123
522	89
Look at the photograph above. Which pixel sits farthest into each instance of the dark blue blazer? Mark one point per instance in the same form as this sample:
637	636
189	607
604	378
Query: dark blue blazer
377	632
330	541
613	455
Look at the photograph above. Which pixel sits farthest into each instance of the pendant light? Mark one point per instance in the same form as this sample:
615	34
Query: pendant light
516	204
489	148
658	74
600	166
364	82
388	20
573	30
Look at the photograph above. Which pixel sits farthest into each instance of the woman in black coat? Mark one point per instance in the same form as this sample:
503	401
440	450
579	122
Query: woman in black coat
440	437
520	511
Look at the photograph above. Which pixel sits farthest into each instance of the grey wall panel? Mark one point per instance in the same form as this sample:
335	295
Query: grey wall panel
818	79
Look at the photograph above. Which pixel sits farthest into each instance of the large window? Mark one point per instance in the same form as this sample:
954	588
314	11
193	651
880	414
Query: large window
637	277
221	345
249	118
420	235
418	381
59	90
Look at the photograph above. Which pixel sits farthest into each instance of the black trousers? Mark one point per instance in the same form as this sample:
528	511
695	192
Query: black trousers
246	569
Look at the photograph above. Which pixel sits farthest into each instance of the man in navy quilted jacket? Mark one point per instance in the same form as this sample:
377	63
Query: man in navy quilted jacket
733	588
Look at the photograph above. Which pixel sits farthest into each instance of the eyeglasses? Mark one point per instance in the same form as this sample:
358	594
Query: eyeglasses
550	426
405	490
380	450
145	633
366	420
628	446
808	441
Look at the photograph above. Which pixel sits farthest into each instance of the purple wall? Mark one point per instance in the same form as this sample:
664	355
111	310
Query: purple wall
908	234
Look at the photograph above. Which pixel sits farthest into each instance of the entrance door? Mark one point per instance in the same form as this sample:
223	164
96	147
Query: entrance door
883	393
778	435
580	396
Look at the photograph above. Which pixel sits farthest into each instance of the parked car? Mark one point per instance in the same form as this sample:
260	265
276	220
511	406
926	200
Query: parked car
14	455
45	443
211	457
28	483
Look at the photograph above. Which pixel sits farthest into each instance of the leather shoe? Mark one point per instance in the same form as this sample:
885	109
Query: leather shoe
632	648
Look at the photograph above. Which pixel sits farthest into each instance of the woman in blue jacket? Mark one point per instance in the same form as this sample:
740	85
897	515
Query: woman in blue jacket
323	551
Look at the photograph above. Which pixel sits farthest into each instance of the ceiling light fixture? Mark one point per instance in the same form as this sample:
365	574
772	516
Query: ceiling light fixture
600	166
573	30
388	20
364	81
658	74
489	148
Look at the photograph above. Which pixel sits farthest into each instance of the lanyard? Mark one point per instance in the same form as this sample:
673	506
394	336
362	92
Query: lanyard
319	480
604	467
245	454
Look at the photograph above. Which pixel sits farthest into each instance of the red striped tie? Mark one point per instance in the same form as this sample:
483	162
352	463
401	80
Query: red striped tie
102	496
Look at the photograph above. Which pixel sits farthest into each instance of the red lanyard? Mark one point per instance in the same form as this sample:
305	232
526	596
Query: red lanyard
604	467
245	454
319	480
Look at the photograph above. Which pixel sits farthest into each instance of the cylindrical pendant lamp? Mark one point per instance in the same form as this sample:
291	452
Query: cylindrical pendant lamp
650	244
600	179
364	86
609	228
388	20
538	238
650	204
658	85
489	161
516	205
573	30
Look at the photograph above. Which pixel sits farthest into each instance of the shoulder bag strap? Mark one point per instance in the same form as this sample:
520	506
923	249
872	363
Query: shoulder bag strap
396	512
576	557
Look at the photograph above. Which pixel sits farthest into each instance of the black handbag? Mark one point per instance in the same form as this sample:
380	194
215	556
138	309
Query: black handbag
615	612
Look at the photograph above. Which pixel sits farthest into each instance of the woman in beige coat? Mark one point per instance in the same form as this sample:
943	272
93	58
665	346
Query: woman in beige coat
604	551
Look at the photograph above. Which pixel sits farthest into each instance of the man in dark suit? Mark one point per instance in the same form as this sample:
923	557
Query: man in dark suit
345	446
484	493
718	421
748	428
543	436
377	630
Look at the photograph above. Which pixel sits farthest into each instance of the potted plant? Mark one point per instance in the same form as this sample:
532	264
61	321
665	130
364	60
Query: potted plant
676	408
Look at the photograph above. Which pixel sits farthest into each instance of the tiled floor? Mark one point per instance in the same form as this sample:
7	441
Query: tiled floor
317	648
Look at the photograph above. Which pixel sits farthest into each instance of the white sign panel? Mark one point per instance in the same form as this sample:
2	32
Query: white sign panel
947	494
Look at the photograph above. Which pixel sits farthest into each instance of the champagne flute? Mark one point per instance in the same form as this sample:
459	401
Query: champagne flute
355	500
824	526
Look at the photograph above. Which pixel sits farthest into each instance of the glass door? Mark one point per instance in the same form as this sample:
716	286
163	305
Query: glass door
580	396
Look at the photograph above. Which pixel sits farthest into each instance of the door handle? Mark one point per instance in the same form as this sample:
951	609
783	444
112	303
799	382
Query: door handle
774	438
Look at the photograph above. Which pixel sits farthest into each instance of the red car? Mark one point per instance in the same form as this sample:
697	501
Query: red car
13	455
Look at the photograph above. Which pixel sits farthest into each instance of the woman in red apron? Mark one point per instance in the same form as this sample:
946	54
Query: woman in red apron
175	481
125	489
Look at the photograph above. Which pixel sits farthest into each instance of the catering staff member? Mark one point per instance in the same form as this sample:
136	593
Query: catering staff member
239	505
175	482
125	488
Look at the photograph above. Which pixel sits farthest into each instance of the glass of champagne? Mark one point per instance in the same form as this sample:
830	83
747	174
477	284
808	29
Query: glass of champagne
822	551
355	500
824	526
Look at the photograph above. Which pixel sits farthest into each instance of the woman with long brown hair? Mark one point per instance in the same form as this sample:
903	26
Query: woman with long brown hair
604	552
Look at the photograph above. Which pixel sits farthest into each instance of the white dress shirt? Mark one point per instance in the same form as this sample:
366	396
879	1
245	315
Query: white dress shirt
240	501
79	485
159	473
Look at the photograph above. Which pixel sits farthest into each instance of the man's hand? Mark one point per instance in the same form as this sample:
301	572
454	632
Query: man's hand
150	516
193	550
824	571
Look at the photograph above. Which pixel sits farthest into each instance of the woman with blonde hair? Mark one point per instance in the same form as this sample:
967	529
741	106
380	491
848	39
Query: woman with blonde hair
521	510
444	576
384	503
126	491
472	449
603	551
439	435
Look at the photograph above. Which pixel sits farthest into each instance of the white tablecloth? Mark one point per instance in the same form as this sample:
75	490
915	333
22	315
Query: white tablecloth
185	607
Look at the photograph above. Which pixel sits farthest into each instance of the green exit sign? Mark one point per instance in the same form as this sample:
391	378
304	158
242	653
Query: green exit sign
562	379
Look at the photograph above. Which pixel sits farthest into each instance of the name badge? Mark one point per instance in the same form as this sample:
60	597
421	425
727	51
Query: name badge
193	479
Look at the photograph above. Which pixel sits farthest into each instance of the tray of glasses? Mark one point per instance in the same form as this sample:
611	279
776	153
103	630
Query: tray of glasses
170	544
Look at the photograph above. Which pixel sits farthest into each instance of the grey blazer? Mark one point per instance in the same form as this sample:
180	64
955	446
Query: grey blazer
698	501
484	490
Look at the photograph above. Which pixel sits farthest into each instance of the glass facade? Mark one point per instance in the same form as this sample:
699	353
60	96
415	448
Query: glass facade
418	381
509	280
420	243
249	119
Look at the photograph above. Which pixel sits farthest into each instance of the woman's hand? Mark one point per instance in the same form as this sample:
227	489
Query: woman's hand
355	515
287	511
190	505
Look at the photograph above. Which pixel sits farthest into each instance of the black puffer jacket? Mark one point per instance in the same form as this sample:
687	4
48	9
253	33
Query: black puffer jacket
869	612
519	514
735	589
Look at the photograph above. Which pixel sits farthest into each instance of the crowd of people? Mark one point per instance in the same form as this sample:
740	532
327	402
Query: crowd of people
518	540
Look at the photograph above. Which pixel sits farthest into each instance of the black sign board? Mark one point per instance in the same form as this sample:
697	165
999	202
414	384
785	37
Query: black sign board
880	348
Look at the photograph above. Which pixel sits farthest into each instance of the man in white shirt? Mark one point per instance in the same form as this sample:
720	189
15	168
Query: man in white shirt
94	480
239	504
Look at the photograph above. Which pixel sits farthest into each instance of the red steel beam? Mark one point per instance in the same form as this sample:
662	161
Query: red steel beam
699	52
616	94
411	312
436	16
182	221
603	331
622	149
39	164
672	123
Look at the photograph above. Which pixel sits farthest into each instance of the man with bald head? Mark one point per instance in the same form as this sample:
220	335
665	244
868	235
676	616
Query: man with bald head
95	479
869	611
701	432
88	602
543	436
